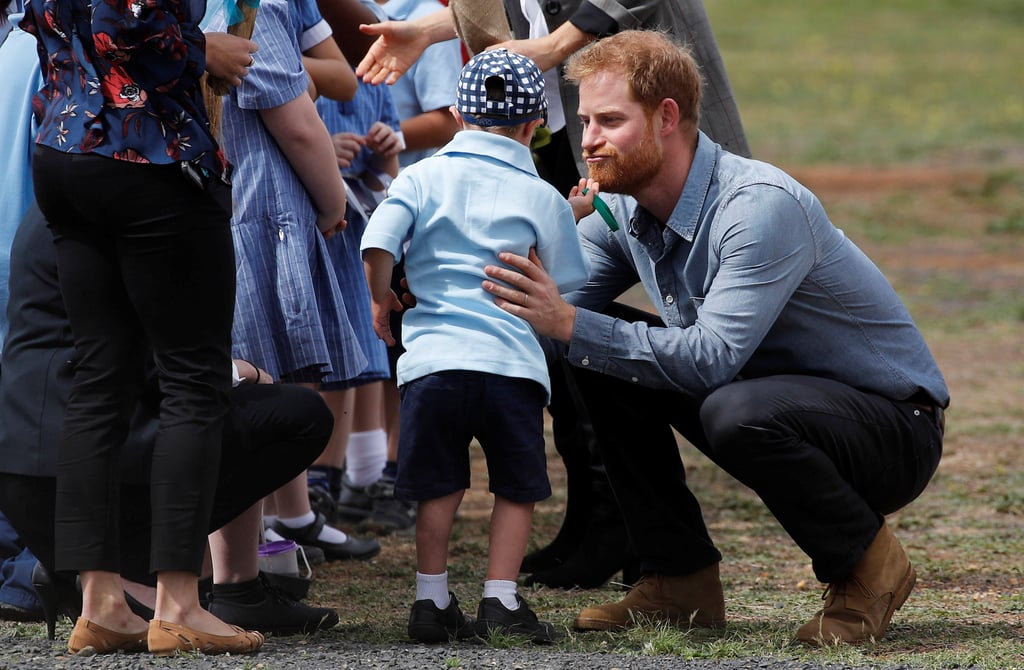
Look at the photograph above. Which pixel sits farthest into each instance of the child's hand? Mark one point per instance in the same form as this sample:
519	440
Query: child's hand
346	147
581	198
330	225
383	140
382	317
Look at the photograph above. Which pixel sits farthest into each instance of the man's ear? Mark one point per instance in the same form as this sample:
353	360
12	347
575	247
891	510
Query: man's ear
666	116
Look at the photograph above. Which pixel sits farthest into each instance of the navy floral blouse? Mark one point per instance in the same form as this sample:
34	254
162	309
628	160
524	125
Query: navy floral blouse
121	79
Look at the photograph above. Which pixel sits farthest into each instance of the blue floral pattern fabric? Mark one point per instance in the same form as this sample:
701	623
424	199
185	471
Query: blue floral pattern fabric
122	79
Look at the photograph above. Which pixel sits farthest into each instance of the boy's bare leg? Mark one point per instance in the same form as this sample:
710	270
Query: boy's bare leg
434	523
509	534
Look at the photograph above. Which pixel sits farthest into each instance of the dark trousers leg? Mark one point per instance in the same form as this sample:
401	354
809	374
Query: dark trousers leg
641	457
273	432
827	460
142	255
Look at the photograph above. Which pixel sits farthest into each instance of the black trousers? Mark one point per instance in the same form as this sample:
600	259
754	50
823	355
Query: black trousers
828	461
271	434
145	260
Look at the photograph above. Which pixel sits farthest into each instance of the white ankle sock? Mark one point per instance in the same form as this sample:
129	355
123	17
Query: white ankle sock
434	587
327	533
365	456
504	590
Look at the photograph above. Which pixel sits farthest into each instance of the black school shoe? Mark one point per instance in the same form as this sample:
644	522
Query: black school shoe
493	616
257	605
432	625
309	536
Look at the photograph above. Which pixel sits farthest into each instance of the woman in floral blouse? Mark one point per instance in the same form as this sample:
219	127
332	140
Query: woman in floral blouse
136	194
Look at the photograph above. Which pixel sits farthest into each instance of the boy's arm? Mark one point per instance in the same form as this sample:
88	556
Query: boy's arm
378	265
302	136
330	74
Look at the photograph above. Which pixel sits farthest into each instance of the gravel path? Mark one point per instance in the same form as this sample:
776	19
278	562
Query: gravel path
38	653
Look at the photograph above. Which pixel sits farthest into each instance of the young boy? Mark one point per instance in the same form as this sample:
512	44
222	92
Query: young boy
472	369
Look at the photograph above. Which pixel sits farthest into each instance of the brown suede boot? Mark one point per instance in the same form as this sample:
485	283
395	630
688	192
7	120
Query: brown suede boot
688	600
860	608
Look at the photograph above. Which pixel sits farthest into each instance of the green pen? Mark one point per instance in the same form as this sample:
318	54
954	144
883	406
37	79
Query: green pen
603	210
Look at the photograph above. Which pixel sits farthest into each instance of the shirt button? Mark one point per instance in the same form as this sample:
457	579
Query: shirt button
586	361
669	300
634	380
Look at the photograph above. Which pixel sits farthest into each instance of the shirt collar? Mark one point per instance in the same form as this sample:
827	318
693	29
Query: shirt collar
492	145
686	214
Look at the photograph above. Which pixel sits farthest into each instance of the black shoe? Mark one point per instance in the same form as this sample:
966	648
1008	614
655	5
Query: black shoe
297	588
12	612
493	616
321	502
388	514
354	503
602	553
274	612
58	595
429	624
308	536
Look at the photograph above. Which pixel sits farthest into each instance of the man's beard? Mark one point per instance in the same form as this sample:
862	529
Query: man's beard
628	172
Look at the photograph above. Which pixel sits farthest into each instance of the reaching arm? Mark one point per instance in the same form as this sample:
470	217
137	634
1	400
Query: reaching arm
550	50
400	43
302	136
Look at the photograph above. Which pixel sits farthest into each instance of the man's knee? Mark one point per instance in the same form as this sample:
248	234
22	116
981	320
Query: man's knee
735	420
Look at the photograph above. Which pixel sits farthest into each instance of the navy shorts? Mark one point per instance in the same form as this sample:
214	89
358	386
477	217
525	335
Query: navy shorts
441	413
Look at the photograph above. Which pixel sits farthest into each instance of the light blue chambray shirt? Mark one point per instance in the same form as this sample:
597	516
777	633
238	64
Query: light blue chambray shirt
752	280
477	196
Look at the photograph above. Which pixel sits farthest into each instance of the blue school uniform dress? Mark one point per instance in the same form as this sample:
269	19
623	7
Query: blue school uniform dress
371	104
290	316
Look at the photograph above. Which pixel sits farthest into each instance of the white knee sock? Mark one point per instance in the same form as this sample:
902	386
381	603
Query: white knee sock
365	456
504	590
434	587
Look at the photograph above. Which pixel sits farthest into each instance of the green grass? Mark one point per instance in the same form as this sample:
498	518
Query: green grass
871	83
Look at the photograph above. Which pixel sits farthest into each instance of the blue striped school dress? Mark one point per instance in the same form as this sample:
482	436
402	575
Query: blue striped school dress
371	104
290	315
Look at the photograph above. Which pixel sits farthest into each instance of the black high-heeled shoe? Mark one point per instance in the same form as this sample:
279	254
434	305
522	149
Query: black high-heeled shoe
57	595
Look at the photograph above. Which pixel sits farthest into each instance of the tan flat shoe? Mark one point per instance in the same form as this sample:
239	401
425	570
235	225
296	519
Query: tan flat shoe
90	638
165	638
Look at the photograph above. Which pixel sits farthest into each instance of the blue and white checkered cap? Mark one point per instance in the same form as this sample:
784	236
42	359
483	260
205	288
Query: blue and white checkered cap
500	88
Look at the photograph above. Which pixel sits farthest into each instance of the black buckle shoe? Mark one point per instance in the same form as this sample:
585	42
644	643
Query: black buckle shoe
309	536
493	616
430	624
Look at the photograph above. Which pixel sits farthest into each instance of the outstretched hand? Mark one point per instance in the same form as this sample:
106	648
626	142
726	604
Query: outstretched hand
398	45
525	289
